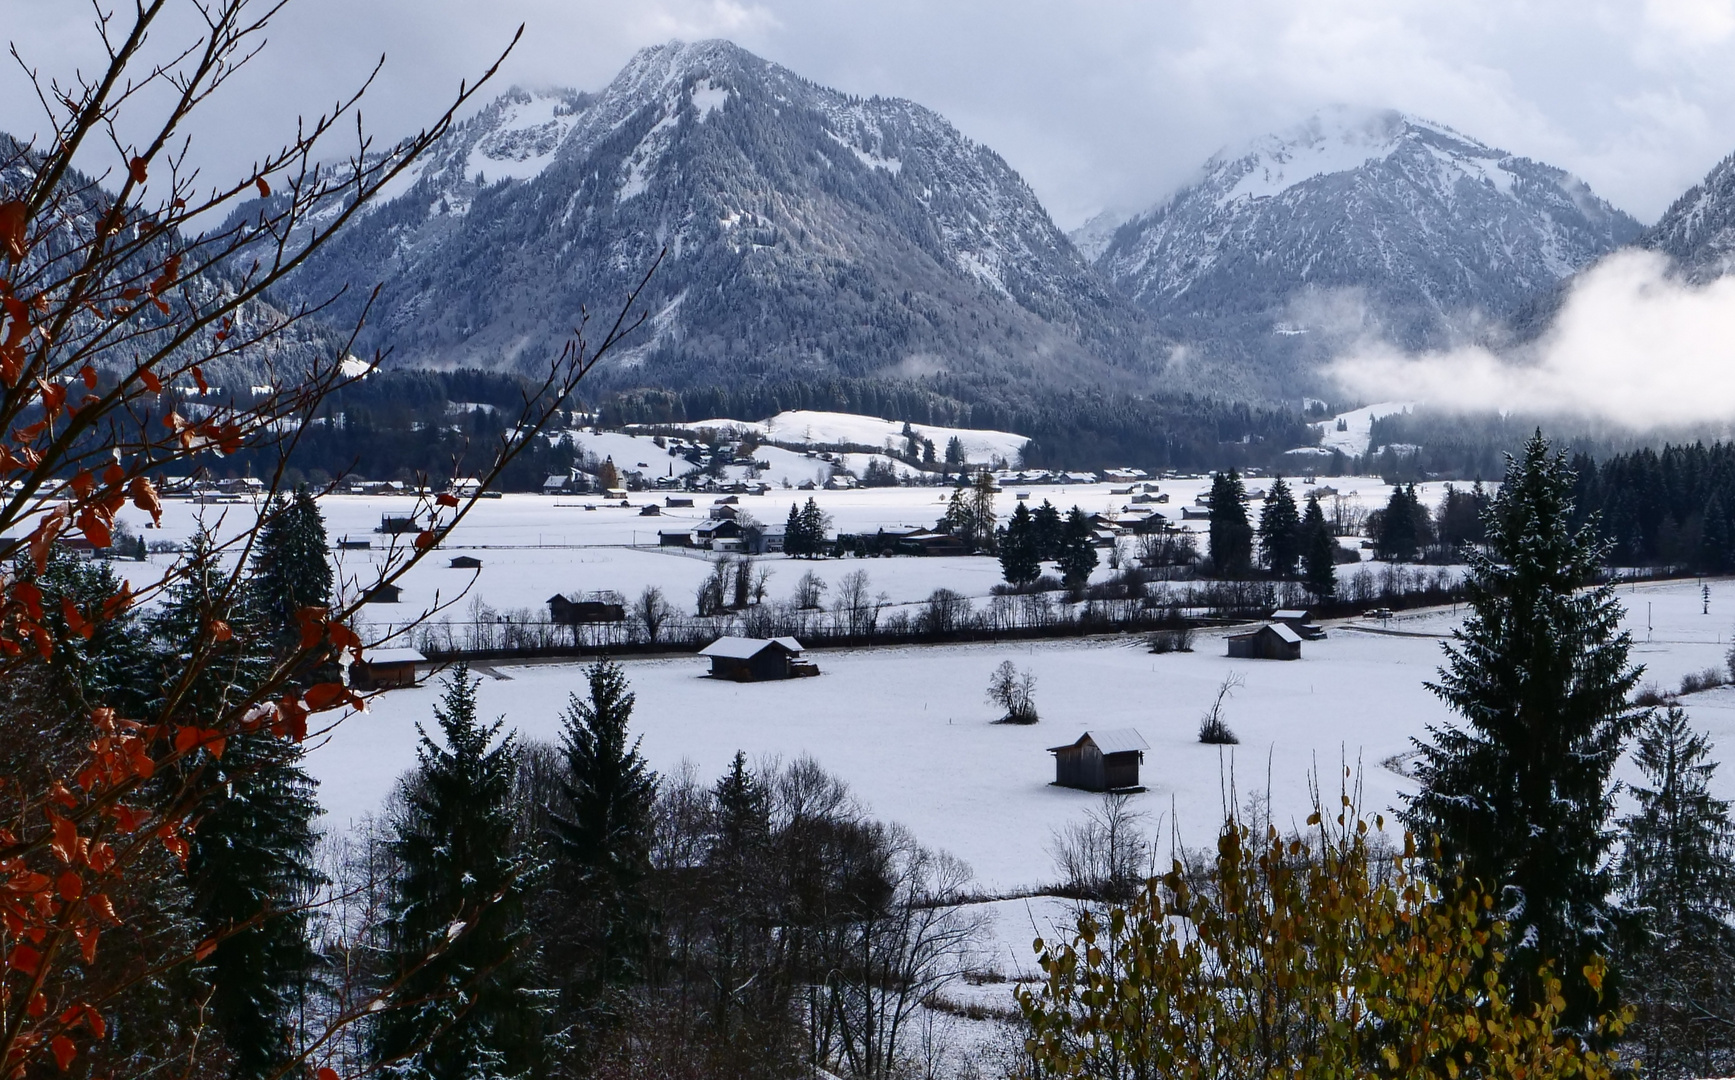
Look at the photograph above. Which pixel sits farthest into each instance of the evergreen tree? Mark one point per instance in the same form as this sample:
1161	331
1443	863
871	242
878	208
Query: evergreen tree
251	858
814	524
954	454
1677	879
1394	532
1077	549
1714	553
291	568
457	941
738	849
1520	797
1280	530
795	534
1318	552
1018	562
1231	534
1046	527
982	515
602	839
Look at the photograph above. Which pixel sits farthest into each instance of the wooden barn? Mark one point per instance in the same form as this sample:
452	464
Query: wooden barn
465	562
563	611
1273	641
1101	761
382	669
1298	621
742	659
384	593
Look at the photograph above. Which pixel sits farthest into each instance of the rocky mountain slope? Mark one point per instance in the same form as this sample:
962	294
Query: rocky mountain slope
1698	230
807	233
1357	223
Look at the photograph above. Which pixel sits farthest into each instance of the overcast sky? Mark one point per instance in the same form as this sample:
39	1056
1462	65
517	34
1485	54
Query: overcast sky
1099	103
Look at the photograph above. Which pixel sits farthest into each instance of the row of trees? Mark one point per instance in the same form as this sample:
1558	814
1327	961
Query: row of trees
1031	538
1288	541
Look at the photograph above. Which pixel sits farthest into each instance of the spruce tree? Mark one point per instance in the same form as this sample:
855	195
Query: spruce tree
813	525
795	533
1520	796
1395	536
1018	562
1676	875
457	945
737	850
602	838
291	568
251	858
1280	530
1077	550
1318	552
1046	526
982	515
1231	534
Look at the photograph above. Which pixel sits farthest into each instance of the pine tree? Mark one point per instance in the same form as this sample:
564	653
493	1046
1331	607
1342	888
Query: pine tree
795	534
251	858
1231	535
1677	879
1714	547
1077	549
457	943
1046	525
982	515
602	852
737	851
1280	530
814	524
1018	562
1520	797
1395	536
291	569
954	454
1318	552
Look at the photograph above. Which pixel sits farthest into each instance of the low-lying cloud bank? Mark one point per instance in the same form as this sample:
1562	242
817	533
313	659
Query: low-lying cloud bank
1631	345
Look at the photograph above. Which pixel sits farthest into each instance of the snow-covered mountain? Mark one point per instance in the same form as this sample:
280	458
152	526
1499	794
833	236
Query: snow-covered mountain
808	233
1698	230
1357	222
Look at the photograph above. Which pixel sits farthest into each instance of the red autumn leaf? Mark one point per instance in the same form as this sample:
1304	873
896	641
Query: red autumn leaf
94	1021
140	169
326	1073
215	743
144	495
30	596
264	188
119	602
149	378
425	539
69	885
204	949
64	1051
312	622
95	529
61	795
75	621
446	498
104	908
220	630
25	959
87	938
327	695
161	306
186	738
38	1007
53	397
84	483
65	844
14	222
199	377
88	374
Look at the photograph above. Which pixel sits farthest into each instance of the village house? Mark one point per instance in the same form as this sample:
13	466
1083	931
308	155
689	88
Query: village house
565	611
742	659
1298	621
382	669
1101	761
1273	641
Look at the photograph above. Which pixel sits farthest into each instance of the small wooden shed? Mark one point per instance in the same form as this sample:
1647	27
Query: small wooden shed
465	562
1273	641
382	669
743	659
1101	761
384	593
1298	621
566	612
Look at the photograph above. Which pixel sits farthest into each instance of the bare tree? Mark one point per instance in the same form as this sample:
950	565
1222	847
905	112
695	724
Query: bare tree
809	588
652	613
857	609
1015	692
1212	727
1107	856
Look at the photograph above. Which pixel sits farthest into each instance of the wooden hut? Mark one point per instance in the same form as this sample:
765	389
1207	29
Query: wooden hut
1273	641
465	562
382	669
742	659
384	593
1298	621
563	611
1101	761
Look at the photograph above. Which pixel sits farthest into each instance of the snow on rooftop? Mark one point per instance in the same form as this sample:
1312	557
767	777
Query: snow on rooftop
745	648
1118	740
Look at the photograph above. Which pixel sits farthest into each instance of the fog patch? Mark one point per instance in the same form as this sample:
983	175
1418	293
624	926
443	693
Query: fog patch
1632	345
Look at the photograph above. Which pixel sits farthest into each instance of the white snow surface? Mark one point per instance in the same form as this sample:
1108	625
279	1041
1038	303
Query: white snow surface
805	427
1359	427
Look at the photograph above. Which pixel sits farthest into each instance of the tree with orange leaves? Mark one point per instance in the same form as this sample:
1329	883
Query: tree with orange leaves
117	311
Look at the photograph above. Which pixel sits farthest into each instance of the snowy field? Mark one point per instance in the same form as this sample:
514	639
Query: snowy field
533	546
908	729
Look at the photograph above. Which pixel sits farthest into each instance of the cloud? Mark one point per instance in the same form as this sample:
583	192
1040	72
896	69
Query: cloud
1632	345
1097	102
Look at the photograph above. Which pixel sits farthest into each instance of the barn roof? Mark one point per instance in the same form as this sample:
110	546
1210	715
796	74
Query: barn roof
745	648
1279	629
1109	741
392	656
1290	613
